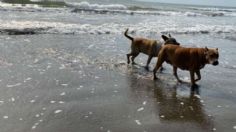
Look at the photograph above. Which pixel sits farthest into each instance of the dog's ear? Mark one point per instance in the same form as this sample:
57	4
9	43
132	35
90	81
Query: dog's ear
169	35
216	49
164	37
206	50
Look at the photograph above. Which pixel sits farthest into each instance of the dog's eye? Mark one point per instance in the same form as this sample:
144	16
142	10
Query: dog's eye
214	56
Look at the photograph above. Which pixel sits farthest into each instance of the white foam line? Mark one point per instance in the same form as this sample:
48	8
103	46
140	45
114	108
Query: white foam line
144	102
138	122
5	117
140	109
87	5
110	28
57	111
64	84
27	79
61	102
32	101
63	93
162	116
13	85
52	102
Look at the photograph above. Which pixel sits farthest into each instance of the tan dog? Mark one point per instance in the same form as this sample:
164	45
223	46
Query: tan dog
147	46
191	59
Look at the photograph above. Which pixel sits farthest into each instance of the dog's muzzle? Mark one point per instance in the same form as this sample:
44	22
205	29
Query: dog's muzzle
215	63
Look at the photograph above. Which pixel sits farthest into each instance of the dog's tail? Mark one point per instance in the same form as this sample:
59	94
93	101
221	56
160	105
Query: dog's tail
126	35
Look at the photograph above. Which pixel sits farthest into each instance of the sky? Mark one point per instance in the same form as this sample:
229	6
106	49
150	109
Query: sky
230	3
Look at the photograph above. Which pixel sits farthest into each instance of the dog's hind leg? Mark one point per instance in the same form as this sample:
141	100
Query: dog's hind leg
133	57
162	68
128	58
148	62
198	75
175	74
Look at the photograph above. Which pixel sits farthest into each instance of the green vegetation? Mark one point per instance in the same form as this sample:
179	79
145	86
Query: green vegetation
43	3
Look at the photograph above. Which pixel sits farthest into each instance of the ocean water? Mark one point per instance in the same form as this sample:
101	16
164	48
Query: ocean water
63	67
113	17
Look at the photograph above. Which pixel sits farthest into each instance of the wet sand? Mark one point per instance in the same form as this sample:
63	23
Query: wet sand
71	83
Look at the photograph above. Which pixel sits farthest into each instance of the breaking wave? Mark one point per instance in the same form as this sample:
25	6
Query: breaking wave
214	9
87	5
28	8
43	27
78	7
122	9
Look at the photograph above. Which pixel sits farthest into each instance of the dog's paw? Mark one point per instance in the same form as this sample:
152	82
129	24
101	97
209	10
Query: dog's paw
147	68
162	69
194	87
155	78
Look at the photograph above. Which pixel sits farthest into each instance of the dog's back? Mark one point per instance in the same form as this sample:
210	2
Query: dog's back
183	58
146	46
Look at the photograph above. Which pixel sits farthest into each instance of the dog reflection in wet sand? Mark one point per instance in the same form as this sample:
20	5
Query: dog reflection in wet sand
191	59
147	46
173	107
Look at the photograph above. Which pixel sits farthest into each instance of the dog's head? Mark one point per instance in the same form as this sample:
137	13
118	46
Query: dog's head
212	56
169	40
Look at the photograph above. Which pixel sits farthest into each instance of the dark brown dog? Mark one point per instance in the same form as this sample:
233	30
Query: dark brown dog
147	46
191	59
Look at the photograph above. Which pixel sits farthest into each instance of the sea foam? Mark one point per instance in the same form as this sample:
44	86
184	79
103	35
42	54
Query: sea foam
87	5
43	27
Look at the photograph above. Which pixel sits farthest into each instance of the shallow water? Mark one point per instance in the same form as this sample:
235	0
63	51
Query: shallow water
71	74
67	83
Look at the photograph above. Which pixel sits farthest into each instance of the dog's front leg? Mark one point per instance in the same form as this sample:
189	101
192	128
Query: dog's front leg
176	75
154	73
148	62
158	65
198	75
193	84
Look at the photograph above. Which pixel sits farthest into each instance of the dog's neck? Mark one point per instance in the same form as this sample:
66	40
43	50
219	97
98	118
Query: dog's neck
203	61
